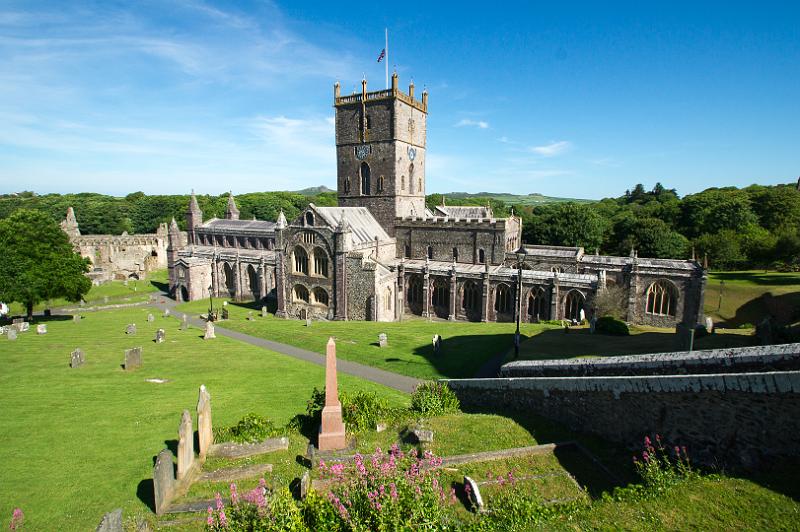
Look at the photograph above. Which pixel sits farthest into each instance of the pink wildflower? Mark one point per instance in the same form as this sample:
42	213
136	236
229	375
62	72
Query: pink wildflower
223	520
658	438
210	519
647	441
646	456
393	491
677	451
17	518
218	498
234	495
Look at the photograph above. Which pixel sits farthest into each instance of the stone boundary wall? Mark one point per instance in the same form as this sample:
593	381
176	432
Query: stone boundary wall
733	360
728	418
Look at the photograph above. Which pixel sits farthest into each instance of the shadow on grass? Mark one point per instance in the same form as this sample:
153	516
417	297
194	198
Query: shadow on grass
779	476
146	493
764	279
784	309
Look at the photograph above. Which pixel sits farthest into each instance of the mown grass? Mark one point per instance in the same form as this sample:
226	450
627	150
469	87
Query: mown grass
80	442
747	297
466	347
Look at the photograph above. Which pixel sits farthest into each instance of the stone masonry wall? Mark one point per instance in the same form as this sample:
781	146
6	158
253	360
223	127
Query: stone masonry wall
733	418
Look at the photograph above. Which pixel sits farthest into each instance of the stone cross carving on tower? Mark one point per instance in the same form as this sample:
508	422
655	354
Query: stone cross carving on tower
331	433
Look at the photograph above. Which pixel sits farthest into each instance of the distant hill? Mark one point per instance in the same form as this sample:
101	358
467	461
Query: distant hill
516	199
313	191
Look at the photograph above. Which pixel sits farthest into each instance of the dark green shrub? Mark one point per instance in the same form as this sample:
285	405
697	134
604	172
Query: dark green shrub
611	326
363	410
434	399
252	428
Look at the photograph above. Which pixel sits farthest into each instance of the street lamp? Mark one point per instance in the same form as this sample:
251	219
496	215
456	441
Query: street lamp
211	303
520	258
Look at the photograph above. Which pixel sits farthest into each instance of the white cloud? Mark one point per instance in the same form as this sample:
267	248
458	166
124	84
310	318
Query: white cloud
480	124
552	149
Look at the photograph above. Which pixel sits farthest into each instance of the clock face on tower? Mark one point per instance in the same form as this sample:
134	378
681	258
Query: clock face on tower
362	151
412	153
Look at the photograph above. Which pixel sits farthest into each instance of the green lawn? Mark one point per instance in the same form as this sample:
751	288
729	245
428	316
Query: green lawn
465	346
78	442
115	291
749	296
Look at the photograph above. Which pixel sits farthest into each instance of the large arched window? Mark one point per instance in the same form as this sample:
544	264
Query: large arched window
537	304
320	262
320	296
662	298
300	260
365	180
441	293
503	299
300	293
471	297
573	305
414	295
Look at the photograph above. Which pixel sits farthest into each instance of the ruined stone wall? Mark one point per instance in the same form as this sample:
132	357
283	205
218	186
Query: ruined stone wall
124	256
733	418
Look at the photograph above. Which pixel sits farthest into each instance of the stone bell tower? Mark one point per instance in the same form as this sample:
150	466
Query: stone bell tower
380	151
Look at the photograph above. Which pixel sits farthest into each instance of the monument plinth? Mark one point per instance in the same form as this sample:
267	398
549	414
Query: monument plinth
331	432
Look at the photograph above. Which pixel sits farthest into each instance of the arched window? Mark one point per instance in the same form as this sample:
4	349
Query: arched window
310	219
556	269
300	293
471	297
300	260
573	305
414	295
403	183
252	281
503	299
441	293
419	186
320	296
481	256
662	298
230	281
388	299
320	262
380	184
408	251
455	254
537	304
430	252
365	179
369	122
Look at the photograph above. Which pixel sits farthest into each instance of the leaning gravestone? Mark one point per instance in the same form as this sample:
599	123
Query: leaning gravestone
383	340
264	311
133	358
77	358
209	331
130	329
150	317
41	329
112	522
163	481
305	483
12	333
474	493
160	336
185	444
205	434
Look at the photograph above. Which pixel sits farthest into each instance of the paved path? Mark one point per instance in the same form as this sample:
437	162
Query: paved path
387	378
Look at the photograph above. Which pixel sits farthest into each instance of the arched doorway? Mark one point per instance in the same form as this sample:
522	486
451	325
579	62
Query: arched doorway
441	297
252	282
471	300
538	309
414	294
503	303
573	305
184	293
230	281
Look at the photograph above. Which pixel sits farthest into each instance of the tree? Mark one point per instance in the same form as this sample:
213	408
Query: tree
38	262
565	224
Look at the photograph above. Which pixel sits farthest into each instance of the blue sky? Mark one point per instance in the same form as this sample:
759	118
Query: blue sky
565	99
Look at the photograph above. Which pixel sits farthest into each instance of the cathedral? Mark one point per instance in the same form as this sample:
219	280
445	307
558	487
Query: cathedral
383	255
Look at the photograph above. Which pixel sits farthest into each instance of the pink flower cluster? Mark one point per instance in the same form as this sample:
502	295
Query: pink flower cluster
217	519
17	519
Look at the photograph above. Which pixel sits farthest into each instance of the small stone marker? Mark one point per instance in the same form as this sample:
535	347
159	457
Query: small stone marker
383	341
205	434
77	358
133	358
185	444
709	325
209	331
76	318
184	322
437	343
24	326
308	322
305	483
225	314
111	522
423	435
130	329
81	303
105	299
150	317
474	493
224	303
166	313
12	333
264	311
160	336
249	315
163	481
3	330
41	328
592	324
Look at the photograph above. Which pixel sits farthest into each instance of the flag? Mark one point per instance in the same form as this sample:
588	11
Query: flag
382	55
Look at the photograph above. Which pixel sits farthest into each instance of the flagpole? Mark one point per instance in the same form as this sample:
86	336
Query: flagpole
386	65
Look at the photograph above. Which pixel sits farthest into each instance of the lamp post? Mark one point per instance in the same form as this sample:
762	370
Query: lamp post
211	303
520	258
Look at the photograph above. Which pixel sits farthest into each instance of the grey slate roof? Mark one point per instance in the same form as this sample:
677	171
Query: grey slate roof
553	251
462	212
363	226
218	226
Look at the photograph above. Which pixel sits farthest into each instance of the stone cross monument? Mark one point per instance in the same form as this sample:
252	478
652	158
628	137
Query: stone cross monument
331	433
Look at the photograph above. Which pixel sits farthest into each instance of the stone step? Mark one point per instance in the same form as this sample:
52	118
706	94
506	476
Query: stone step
192	507
230	474
244	450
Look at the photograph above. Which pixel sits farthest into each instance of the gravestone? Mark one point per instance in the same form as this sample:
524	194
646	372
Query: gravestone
130	328
332	431
205	434
209	331
111	522
105	299
224	304
133	358
709	325
225	314
24	326
249	315
185	444
41	328
305	483
423	435
308	322
3	330
76	318
48	312
474	493
160	336
383	340
163	481
592	324
12	333
166	313
184	322
77	358
150	317
264	311
81	303
437	343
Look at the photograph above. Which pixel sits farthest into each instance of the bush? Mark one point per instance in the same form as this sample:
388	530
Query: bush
360	411
611	326
434	399
254	510
252	428
661	468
